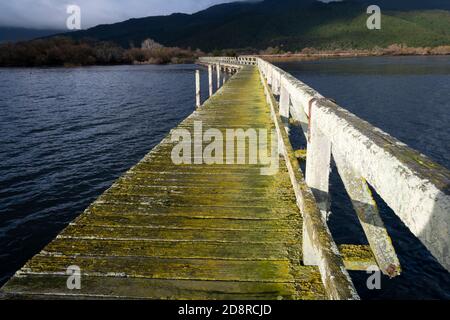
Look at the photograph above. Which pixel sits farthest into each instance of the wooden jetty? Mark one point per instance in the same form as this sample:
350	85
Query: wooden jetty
226	231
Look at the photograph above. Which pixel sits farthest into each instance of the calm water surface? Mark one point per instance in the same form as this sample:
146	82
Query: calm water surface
67	134
408	97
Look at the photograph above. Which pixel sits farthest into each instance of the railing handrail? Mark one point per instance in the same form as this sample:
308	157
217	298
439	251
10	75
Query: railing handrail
242	60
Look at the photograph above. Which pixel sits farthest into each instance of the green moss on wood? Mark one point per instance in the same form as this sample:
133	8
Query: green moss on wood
187	232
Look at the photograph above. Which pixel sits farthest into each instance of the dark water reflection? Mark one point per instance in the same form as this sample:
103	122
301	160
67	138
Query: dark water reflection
408	97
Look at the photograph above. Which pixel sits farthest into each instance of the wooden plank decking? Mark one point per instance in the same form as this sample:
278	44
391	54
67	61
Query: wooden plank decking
164	231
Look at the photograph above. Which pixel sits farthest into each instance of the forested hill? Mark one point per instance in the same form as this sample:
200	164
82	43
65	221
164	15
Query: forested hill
290	24
12	34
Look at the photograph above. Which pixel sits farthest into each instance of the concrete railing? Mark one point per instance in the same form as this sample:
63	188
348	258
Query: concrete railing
243	60
223	68
413	186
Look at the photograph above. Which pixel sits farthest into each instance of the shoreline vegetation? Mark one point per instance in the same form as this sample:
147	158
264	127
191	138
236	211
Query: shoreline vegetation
66	52
274	54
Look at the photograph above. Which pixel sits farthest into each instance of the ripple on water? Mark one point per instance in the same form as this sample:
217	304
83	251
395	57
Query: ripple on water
67	134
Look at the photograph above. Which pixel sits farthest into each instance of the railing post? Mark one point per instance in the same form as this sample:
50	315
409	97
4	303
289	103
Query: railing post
210	78
276	84
218	76
318	166
285	103
284	111
197	89
269	76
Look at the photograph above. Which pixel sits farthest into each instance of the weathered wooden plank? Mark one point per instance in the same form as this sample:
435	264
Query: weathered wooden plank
358	257
164	268
249	213
185	223
174	200
139	288
139	194
189	179
142	233
270	191
151	190
169	248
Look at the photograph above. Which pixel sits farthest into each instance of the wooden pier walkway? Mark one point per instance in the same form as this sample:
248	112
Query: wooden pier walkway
166	231
226	231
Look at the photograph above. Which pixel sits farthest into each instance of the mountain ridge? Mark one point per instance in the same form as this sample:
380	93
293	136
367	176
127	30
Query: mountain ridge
13	34
290	24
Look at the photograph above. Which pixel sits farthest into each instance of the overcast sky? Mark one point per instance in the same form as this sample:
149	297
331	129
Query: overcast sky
52	13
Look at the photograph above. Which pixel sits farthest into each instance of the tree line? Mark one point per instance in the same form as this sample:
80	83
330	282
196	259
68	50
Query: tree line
62	51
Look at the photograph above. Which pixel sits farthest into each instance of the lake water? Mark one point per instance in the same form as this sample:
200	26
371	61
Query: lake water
67	134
